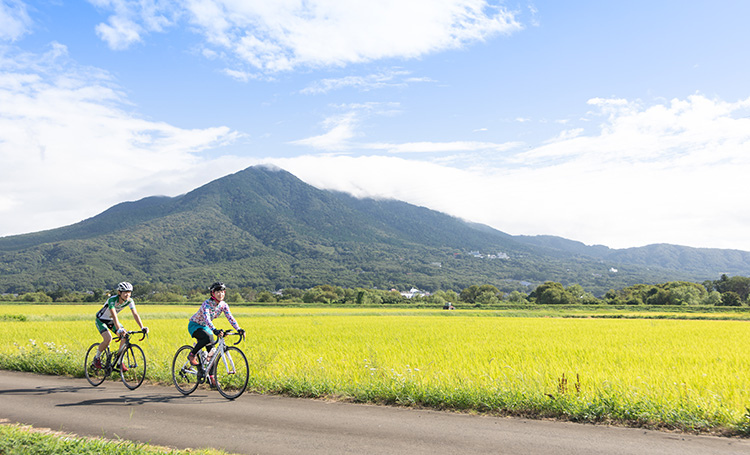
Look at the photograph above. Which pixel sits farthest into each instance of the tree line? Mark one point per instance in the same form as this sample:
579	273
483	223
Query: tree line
726	291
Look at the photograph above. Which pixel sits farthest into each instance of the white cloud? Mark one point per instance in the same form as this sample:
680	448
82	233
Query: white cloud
119	33
14	20
442	147
281	35
342	129
393	78
131	20
672	172
337	138
69	149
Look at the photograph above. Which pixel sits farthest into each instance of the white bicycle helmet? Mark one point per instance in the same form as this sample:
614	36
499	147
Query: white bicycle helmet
124	286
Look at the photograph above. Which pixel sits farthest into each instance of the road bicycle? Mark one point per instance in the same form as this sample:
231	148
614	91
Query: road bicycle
227	368
129	361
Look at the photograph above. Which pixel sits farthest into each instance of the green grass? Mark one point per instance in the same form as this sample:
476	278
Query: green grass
689	375
25	440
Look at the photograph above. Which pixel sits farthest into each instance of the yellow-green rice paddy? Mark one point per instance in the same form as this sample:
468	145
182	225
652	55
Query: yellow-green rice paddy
687	374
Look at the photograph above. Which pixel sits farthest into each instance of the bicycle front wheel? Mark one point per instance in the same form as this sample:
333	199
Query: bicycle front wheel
184	374
232	373
133	367
95	375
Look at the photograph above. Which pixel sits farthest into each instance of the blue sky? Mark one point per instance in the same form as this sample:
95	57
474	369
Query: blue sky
614	123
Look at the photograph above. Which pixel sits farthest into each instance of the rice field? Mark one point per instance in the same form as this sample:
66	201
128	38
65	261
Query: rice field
692	375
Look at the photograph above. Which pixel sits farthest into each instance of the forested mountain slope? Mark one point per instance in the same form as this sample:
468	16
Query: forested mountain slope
263	227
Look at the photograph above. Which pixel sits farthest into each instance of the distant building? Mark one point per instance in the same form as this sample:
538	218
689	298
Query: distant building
414	291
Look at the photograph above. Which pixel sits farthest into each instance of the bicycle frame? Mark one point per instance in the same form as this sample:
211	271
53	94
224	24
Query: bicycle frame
230	379
124	346
128	352
220	350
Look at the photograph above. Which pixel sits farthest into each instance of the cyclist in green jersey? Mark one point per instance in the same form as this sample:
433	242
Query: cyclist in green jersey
107	318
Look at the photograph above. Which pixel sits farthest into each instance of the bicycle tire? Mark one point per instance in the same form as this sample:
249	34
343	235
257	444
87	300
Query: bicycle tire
184	374
135	361
232	373
95	376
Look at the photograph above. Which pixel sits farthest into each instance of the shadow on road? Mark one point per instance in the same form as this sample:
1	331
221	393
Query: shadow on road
42	390
128	400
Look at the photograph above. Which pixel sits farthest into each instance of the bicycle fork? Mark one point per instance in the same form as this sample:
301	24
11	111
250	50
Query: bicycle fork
228	364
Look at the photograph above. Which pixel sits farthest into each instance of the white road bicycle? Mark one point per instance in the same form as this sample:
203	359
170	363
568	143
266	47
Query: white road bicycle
227	369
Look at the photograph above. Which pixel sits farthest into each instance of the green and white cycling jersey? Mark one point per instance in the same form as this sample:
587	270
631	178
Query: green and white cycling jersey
113	304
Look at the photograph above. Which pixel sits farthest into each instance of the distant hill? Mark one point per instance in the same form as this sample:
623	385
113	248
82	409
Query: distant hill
263	227
699	261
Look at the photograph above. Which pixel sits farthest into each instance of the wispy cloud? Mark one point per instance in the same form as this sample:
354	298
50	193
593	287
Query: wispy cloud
281	36
67	135
650	171
130	21
14	20
394	78
341	129
442	147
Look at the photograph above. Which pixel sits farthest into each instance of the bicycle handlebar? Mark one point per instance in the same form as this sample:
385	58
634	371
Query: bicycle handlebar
232	332
133	332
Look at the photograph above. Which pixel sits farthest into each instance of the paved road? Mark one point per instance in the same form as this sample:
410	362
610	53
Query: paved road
256	424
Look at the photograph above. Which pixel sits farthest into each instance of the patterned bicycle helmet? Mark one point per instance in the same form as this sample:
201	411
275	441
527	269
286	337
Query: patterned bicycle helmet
124	286
218	286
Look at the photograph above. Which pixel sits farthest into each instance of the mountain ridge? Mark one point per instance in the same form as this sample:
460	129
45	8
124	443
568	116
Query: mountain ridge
264	227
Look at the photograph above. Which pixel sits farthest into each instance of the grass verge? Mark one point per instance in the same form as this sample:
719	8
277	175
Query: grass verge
25	440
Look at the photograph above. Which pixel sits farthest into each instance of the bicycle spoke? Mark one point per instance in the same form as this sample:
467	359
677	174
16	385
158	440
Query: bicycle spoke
232	373
184	374
95	375
132	366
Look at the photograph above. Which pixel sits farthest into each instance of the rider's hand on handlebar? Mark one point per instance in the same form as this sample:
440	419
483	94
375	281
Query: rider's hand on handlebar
121	331
218	332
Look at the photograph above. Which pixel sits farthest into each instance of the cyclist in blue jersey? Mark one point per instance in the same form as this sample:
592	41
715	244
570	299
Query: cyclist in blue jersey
107	320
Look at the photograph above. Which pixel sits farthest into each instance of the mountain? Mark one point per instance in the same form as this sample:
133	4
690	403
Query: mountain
264	227
699	261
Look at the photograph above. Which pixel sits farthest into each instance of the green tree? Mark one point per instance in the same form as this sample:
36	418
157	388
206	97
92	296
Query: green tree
730	298
517	297
686	295
579	295
365	297
712	298
552	293
658	296
265	297
487	298
740	285
234	297
39	297
470	294
168	297
292	295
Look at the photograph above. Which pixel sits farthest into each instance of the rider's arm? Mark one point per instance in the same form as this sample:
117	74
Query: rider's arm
230	318
116	321
137	318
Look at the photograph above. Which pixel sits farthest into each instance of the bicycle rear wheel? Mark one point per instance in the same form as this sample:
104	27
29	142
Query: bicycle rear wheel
134	363
94	375
184	374
232	373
